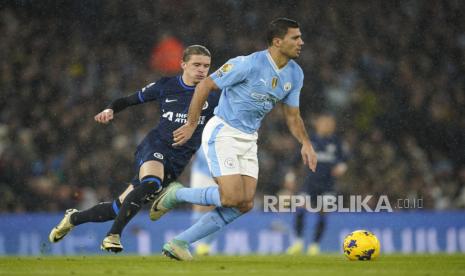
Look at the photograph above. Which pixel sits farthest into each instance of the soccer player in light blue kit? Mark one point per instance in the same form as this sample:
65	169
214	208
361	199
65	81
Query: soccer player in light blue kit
251	86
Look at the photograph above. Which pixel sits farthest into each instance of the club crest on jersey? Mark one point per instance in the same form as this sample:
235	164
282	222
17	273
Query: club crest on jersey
287	86
274	82
205	106
158	155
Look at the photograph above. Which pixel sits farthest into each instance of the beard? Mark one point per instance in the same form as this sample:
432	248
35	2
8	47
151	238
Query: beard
291	54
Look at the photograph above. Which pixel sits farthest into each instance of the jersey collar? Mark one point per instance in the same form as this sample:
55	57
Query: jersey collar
185	86
273	64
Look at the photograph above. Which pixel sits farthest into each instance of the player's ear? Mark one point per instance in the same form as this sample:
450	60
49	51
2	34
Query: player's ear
277	41
183	65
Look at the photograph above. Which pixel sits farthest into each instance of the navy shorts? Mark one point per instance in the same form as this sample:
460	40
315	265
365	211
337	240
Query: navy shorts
174	160
314	187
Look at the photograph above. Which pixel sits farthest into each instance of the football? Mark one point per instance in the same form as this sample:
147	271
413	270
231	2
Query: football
361	245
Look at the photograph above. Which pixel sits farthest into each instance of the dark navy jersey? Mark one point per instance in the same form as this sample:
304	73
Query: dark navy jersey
174	97
330	153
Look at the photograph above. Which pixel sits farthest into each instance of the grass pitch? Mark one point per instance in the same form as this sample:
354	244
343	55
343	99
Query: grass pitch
231	265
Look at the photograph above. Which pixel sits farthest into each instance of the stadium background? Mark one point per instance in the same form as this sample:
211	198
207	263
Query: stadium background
392	71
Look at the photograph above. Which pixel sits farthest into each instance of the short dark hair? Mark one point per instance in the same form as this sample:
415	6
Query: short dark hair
195	50
278	28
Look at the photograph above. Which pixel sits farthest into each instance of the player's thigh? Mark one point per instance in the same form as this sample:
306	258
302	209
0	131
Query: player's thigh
231	189
248	164
151	167
250	187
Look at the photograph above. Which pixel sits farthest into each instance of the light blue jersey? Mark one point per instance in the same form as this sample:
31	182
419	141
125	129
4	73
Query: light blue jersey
252	85
200	164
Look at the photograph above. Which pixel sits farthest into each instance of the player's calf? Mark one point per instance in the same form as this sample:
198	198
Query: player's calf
149	185
101	212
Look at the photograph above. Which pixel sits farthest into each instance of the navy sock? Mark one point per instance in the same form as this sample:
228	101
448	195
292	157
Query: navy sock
101	212
149	185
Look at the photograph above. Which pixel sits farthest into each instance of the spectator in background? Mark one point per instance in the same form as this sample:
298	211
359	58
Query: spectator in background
166	55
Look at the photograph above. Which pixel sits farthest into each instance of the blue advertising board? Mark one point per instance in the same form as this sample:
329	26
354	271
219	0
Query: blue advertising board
253	233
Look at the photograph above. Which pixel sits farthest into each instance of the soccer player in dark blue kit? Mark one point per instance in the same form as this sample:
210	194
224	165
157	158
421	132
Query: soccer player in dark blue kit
331	164
158	163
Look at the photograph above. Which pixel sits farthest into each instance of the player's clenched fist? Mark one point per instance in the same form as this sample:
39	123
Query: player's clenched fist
105	116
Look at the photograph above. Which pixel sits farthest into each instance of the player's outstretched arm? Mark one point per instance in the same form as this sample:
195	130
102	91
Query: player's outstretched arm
296	126
184	133
116	106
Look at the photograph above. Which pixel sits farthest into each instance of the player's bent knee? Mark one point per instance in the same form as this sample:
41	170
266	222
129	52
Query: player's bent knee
242	205
150	185
228	201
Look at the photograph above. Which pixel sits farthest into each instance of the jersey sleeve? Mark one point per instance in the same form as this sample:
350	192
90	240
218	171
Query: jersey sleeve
151	92
232	72
292	99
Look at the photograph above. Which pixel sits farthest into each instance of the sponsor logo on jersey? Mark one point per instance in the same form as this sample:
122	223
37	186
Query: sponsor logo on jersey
205	106
264	97
170	100
259	96
181	118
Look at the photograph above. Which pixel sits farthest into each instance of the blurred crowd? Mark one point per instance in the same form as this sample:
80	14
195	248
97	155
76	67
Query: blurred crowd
393	73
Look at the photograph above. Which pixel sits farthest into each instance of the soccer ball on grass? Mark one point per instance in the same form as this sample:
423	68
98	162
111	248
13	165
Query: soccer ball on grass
361	245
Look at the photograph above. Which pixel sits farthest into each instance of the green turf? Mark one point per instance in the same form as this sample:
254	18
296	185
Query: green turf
229	265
